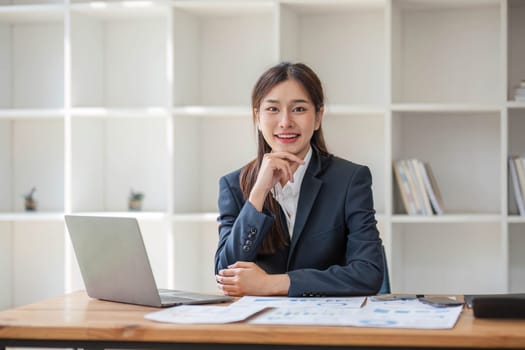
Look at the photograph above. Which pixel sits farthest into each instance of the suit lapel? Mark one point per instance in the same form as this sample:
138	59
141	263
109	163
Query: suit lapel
309	190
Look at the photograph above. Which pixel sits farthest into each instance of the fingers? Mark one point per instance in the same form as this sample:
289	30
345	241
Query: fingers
288	156
275	167
242	264
224	280
280	164
228	285
229	280
229	290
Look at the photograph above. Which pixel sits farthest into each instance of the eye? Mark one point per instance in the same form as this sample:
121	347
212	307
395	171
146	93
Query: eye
299	109
271	109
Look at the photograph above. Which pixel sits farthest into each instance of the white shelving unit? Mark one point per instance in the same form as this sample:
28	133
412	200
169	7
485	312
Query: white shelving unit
98	98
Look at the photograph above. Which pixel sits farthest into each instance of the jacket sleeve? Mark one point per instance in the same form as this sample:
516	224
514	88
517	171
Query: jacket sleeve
241	227
362	270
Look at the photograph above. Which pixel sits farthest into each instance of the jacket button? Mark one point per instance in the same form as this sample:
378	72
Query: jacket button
253	230
245	248
248	243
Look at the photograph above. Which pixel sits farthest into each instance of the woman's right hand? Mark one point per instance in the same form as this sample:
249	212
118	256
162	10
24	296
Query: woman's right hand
276	166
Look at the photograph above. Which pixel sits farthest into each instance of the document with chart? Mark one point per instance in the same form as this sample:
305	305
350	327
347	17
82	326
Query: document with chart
284	302
391	314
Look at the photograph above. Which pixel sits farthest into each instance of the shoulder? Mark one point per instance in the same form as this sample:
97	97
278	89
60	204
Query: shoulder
341	167
230	184
231	181
232	177
230	193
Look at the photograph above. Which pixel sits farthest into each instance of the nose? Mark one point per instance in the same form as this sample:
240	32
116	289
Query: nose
286	119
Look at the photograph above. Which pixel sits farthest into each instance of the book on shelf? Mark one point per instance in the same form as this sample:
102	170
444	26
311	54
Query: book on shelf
418	187
415	196
416	165
517	175
433	189
404	188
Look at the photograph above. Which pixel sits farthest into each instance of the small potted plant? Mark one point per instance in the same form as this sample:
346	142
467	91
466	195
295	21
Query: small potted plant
135	200
29	200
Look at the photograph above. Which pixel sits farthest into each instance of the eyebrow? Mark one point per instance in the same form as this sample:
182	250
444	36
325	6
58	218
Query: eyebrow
293	101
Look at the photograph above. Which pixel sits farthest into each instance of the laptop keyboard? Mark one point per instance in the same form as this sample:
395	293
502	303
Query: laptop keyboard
174	296
173	299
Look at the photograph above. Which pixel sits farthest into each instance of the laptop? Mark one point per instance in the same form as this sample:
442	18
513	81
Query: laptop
115	266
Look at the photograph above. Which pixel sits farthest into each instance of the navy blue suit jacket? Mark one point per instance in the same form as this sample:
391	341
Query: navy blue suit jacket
335	248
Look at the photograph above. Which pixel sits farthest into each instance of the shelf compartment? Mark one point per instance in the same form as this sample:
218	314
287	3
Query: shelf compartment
451	258
354	32
112	156
32	57
516	46
465	160
446	51
202	161
360	139
118	57
31	155
220	51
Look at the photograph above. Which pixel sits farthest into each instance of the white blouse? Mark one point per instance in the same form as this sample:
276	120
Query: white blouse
288	196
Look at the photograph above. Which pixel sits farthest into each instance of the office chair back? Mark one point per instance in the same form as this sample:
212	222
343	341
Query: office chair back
385	286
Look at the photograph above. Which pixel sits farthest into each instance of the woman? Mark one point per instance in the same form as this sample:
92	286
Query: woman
296	220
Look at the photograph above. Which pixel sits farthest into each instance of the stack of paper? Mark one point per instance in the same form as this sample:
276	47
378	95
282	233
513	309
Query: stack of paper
205	314
317	311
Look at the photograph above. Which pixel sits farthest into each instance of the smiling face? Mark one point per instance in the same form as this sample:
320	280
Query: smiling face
287	118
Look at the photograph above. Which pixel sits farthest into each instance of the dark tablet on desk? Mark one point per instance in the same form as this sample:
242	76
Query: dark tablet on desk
497	305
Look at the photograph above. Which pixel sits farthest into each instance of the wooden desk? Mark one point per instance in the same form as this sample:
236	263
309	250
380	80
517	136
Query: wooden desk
77	321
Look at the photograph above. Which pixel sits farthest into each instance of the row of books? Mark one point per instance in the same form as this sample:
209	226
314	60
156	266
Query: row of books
517	176
418	187
519	92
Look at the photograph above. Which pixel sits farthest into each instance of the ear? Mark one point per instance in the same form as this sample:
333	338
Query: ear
319	118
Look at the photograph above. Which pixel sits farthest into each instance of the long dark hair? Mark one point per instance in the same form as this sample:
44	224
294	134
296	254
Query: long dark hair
277	237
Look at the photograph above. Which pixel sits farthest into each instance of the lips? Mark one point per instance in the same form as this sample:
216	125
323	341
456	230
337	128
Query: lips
287	137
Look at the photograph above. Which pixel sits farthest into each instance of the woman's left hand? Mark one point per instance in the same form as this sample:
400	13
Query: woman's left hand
246	278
